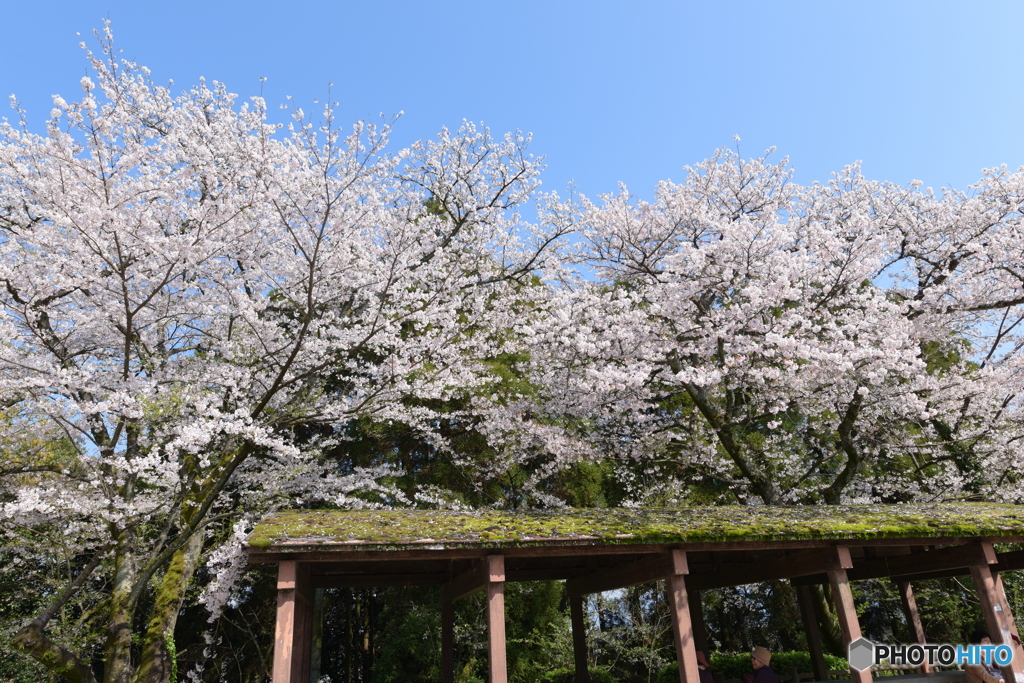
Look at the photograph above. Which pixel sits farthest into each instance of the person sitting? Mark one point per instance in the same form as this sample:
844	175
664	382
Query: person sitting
760	659
987	671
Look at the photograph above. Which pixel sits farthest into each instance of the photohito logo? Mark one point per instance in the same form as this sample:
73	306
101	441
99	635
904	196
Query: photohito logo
863	654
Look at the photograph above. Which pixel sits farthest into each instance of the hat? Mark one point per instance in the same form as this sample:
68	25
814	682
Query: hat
762	655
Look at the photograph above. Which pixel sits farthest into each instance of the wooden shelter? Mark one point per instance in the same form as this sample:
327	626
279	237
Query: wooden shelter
595	550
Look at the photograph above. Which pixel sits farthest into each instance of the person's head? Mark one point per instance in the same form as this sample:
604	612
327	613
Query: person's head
979	637
760	657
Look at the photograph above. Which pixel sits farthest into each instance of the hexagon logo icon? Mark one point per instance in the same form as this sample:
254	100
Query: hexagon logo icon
862	654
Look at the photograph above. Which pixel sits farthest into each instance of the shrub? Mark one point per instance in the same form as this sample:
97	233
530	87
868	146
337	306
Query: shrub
733	665
568	675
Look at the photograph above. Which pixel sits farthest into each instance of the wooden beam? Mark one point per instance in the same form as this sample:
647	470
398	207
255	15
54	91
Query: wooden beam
433	551
813	632
375	580
810	580
952	557
544	574
468	582
579	637
346	554
913	617
933	564
494	569
644	570
682	628
845	609
996	611
1009	561
799	563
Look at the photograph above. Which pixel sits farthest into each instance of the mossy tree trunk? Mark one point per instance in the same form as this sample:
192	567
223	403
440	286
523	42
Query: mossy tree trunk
828	621
157	662
117	652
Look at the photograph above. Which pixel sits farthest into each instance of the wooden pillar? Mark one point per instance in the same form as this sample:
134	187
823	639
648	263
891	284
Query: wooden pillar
700	630
682	628
845	609
811	628
496	619
447	640
1015	642
579	637
304	635
293	632
316	648
913	618
1009	613
997	615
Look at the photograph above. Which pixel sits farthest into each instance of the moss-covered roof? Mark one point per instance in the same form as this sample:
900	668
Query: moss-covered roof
397	528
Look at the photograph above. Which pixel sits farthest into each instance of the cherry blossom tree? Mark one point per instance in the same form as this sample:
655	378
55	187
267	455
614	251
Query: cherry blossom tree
840	341
184	284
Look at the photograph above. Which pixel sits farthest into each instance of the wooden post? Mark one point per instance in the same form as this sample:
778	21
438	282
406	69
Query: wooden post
682	628
447	640
913	618
496	619
293	632
700	631
579	637
304	617
810	619
997	616
845	609
998	580
318	636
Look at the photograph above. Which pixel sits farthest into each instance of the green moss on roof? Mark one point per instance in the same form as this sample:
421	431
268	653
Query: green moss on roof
628	525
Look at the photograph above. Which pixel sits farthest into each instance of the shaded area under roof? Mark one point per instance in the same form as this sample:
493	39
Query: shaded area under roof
626	526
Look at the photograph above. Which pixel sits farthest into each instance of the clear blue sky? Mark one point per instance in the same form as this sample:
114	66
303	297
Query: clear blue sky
612	91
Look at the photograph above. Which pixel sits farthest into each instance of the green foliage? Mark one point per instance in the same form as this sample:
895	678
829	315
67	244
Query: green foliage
537	631
172	652
582	485
565	674
738	618
537	635
949	608
243	637
412	650
734	665
27	586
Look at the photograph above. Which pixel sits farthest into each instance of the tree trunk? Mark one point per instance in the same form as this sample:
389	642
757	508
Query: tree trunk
158	652
65	663
117	653
828	621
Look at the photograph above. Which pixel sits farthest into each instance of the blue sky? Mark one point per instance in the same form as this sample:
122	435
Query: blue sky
612	91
